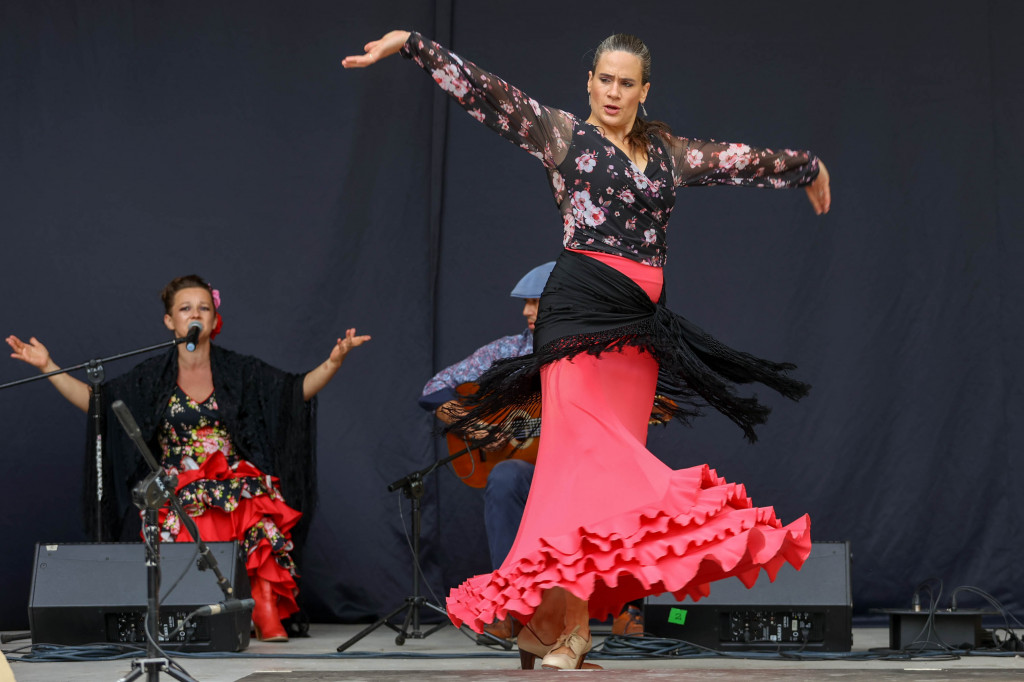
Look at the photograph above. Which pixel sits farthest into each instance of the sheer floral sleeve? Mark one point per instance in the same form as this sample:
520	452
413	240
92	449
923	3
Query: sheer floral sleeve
699	162
542	131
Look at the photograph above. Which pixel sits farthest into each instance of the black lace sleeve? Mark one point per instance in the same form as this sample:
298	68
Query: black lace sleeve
542	131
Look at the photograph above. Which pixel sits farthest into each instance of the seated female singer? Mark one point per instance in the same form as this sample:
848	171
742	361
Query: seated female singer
239	435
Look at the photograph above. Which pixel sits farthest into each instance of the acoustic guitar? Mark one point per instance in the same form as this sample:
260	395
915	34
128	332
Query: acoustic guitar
475	466
523	427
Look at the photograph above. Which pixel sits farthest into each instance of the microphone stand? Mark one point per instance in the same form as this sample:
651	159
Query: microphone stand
95	374
411	486
150	495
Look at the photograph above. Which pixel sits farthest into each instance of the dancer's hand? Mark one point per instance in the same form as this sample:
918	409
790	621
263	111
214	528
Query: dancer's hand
818	191
387	45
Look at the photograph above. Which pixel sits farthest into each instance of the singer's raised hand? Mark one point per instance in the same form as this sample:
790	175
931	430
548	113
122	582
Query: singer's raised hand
343	346
33	352
317	378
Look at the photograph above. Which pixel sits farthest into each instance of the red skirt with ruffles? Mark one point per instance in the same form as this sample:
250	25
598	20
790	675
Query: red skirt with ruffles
605	518
242	504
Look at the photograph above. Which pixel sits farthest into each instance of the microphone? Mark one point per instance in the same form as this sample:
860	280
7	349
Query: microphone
193	335
226	606
124	416
131	428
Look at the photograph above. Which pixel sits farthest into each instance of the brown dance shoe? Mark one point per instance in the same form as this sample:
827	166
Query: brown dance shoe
531	646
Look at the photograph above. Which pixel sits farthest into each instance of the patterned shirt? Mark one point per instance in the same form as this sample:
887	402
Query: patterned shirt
190	432
441	388
607	203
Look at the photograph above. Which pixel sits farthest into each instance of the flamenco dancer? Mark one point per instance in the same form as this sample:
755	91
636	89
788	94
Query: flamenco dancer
239	434
606	522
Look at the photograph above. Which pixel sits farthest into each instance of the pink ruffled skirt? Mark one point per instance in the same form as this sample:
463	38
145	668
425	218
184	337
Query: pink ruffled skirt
606	519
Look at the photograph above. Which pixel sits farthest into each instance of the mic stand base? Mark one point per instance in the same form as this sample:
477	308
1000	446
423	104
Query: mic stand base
151	668
412	487
413	604
149	495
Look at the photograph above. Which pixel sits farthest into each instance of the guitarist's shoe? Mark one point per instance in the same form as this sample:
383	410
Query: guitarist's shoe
504	629
629	622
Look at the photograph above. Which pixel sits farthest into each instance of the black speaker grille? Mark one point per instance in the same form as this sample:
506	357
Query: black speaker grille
85	593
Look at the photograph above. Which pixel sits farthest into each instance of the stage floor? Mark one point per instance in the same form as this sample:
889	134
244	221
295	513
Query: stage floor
448	654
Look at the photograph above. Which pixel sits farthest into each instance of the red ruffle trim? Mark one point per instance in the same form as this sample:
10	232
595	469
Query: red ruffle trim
218	525
704	529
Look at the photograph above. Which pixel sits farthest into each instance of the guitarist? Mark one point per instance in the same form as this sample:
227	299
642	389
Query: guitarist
508	484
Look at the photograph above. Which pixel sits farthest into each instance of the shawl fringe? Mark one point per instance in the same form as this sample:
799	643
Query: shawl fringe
696	370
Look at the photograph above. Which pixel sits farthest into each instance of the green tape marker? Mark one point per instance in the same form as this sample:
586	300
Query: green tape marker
677	616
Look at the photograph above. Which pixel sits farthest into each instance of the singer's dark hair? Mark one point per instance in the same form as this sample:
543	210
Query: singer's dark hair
179	283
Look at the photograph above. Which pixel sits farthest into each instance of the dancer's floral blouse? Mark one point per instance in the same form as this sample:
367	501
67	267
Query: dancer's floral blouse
607	203
192	439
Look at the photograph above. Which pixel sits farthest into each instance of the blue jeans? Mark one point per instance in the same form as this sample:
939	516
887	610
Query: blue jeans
504	501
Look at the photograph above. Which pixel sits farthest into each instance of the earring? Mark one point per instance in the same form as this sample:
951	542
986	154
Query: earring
643	109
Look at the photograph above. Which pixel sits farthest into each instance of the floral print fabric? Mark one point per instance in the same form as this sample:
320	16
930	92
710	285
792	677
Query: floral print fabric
441	388
197	449
607	203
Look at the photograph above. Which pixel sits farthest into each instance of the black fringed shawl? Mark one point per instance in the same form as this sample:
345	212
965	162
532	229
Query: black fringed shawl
261	406
589	307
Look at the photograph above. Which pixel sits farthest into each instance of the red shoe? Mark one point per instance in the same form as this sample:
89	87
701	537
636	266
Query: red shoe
265	618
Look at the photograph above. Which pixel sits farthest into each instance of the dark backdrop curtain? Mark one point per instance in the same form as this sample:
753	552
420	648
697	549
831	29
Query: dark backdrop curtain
143	140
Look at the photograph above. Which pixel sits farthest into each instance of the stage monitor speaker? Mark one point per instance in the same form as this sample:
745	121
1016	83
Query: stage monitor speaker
810	609
85	593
